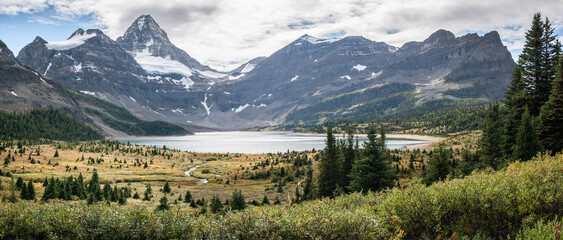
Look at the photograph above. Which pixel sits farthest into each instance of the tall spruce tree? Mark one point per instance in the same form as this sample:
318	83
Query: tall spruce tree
538	61
490	142
30	191
527	142
329	167
551	115
349	153
374	171
94	186
514	104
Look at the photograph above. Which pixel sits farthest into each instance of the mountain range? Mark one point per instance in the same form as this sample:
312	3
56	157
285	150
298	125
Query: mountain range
310	80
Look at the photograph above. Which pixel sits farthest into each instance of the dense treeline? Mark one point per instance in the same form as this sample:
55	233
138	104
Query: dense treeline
423	121
344	167
513	203
46	124
530	119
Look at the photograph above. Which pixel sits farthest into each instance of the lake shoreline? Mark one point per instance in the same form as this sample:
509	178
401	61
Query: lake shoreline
265	142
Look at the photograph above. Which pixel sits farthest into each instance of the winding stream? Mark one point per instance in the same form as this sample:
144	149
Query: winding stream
202	180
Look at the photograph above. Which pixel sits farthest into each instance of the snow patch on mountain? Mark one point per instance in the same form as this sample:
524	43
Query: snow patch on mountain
207	108
77	67
153	64
242	107
88	93
247	68
72	42
345	76
13	93
212	74
236	77
294	78
359	67
315	40
132	99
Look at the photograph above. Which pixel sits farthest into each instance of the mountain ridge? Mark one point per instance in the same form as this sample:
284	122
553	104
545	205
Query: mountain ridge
170	85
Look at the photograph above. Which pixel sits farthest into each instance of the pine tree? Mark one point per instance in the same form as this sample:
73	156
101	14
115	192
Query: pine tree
490	142
166	188
23	192
188	197
374	171
538	61
308	190
163	204
439	166
148	193
56	153
265	201
527	143
94	186
19	184
30	191
514	102
349	153
216	205
12	197
237	201
551	115
329	167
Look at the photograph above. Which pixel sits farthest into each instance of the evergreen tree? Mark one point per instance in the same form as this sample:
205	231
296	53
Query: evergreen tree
237	201
308	190
439	166
514	102
23	192
30	191
12	197
374	171
538	61
148	193
166	188
265	201
19	184
216	205
188	197
490	142
527	143
329	167
56	153
94	186
90	199
163	204
551	116
349	153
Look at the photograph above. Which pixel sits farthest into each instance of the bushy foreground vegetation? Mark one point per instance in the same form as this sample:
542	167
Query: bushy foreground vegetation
519	202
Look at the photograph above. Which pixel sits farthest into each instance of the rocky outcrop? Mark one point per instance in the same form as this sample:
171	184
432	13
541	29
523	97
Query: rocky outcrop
23	89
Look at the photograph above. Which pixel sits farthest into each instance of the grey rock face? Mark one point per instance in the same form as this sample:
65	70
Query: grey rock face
310	79
23	89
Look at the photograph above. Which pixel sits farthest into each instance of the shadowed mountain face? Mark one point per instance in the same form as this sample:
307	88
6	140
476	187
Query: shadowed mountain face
310	79
23	89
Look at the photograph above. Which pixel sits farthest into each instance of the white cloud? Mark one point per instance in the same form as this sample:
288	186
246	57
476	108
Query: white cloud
226	33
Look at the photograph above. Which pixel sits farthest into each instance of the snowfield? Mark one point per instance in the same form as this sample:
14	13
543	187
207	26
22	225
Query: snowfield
73	42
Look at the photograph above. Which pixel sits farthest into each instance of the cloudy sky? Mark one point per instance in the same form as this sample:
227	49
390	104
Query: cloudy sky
226	33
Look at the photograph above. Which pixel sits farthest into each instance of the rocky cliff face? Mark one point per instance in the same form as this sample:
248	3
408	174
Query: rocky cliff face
310	79
23	89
